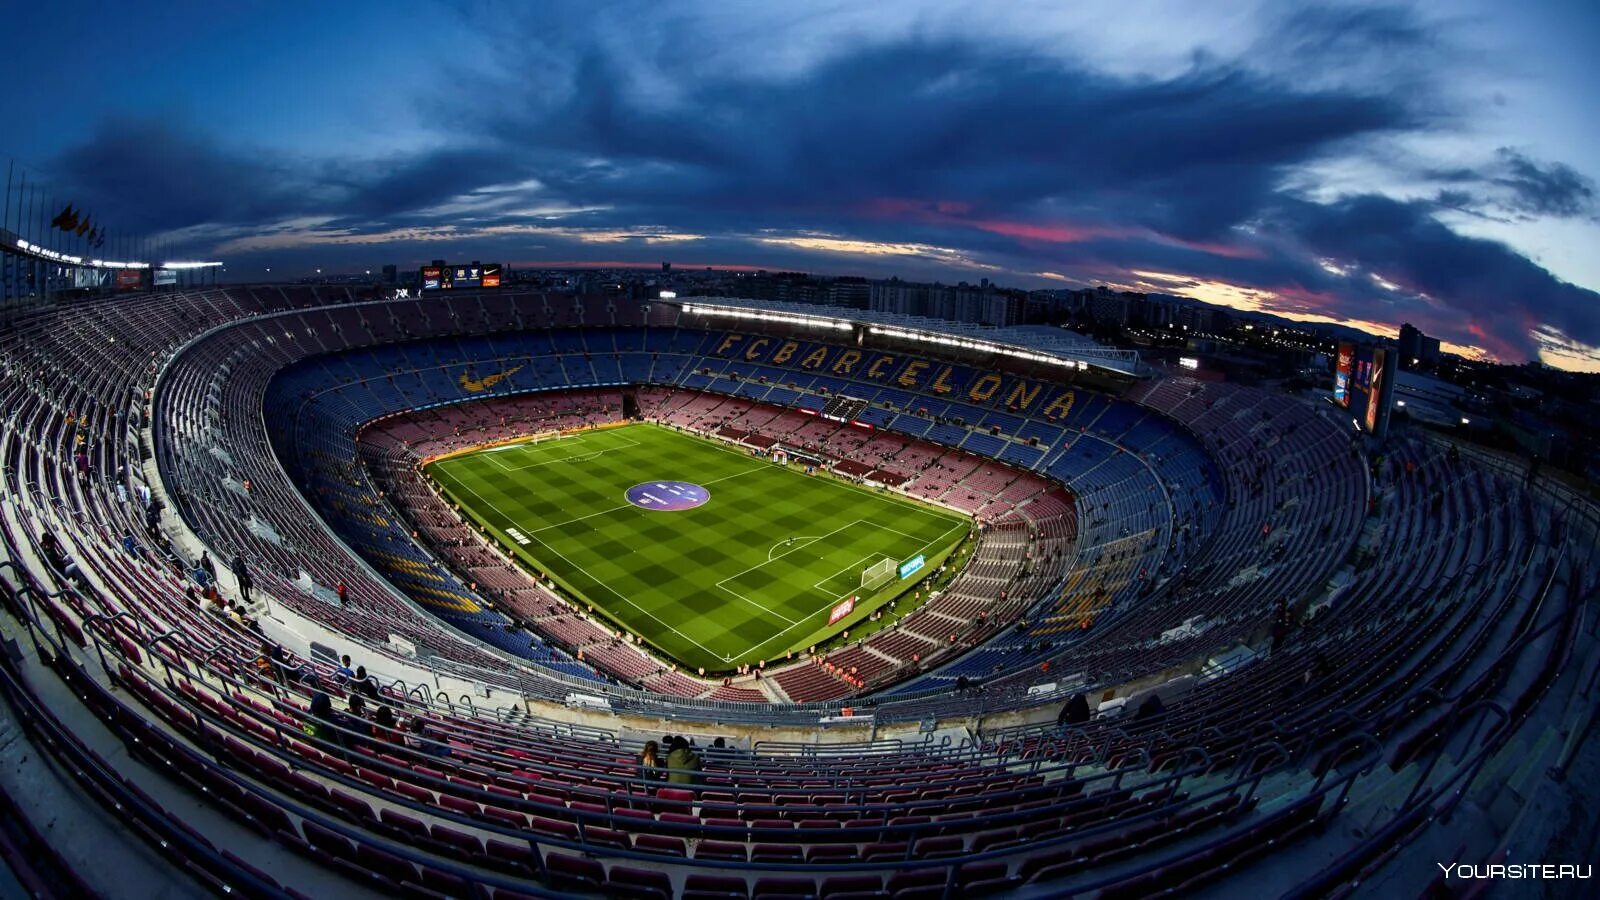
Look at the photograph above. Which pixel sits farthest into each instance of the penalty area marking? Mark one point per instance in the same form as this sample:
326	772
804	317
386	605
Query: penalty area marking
597	581
535	449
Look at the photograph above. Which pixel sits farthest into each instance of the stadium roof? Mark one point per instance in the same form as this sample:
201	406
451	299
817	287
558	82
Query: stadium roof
1032	341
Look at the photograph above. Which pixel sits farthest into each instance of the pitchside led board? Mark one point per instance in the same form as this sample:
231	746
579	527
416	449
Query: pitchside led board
1363	382
461	276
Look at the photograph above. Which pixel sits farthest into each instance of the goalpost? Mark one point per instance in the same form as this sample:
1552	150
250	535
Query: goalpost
879	573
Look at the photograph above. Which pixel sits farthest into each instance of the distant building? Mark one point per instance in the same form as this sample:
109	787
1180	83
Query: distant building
855	293
1417	350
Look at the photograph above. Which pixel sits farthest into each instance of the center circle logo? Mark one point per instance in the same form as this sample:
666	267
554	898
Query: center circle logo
668	496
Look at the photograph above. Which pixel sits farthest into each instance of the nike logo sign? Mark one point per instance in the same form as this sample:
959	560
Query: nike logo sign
478	385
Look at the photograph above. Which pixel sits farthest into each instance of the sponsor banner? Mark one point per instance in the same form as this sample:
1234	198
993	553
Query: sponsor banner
844	608
913	565
1341	375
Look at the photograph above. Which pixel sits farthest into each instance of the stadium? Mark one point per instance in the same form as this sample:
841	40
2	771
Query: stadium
944	611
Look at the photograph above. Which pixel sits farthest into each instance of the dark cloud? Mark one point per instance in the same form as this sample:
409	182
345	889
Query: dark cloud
997	153
1544	189
1513	184
1480	291
385	187
943	121
148	175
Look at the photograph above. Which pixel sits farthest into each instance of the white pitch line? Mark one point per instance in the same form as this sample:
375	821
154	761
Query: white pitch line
576	457
904	502
624	506
835	600
771	558
808	538
614	591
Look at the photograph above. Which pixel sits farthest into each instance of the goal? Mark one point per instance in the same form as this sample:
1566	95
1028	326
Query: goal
879	573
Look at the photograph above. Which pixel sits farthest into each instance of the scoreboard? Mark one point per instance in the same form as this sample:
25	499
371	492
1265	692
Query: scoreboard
460	276
1363	382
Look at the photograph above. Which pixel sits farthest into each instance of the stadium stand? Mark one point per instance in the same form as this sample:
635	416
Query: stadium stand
1274	634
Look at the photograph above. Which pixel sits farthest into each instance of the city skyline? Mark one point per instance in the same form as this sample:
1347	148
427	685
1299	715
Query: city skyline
1351	164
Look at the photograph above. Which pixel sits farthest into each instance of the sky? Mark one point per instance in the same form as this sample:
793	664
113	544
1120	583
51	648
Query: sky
1362	163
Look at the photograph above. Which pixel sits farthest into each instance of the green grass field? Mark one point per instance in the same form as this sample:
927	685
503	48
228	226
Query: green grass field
750	574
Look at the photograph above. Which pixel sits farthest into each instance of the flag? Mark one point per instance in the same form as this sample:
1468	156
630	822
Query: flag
66	220
100	237
83	227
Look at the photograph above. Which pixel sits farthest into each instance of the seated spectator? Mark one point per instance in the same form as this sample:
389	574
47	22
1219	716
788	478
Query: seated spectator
269	663
344	672
364	685
422	740
323	721
359	730
384	726
56	556
1075	712
649	762
683	764
1152	707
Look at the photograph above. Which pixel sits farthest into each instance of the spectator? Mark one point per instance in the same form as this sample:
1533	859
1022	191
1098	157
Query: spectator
323	722
242	575
364	685
343	594
356	720
344	672
131	546
384	726
56	556
422	740
271	663
683	764
649	762
1152	707
1075	712
207	566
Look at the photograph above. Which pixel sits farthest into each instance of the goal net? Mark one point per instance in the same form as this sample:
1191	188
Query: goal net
548	437
878	573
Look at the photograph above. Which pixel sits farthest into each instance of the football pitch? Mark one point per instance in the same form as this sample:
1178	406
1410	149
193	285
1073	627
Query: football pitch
715	557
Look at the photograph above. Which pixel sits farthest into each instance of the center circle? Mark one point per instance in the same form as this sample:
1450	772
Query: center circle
668	496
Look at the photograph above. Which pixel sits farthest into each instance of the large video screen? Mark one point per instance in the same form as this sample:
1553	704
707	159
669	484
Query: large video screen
1363	383
1341	374
1375	393
461	276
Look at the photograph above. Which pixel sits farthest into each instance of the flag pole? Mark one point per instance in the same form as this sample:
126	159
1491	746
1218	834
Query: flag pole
11	166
